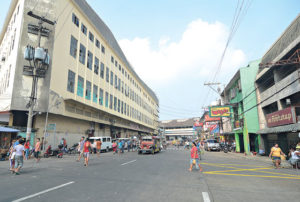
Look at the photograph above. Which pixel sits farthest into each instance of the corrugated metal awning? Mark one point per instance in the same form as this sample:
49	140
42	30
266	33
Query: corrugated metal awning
8	130
281	129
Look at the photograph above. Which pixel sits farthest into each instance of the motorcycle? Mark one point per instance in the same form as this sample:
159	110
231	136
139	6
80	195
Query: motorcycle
73	149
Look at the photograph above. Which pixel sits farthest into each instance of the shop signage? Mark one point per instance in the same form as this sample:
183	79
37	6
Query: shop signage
208	118
282	117
220	111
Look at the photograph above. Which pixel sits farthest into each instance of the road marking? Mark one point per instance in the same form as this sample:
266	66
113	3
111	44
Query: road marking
205	197
256	169
226	164
266	176
128	162
42	192
239	170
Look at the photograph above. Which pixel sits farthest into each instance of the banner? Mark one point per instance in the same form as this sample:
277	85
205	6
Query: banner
220	111
281	117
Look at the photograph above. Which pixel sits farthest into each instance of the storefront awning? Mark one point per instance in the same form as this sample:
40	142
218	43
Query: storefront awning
8	130
281	129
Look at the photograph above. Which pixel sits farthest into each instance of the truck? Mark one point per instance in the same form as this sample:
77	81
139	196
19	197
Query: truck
150	144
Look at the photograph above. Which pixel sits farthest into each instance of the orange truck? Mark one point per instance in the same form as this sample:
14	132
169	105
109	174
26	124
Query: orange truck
150	144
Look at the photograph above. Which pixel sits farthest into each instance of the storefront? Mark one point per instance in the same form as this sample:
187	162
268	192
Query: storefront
282	129
6	136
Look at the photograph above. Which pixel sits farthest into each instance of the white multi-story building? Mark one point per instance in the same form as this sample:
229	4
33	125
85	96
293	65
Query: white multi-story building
90	88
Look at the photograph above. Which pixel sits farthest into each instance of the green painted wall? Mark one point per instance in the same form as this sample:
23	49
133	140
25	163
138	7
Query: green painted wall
246	100
248	75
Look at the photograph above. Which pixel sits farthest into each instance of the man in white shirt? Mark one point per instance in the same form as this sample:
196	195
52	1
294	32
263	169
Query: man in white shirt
294	157
19	149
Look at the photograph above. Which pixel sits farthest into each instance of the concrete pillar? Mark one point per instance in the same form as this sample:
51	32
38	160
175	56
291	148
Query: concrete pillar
237	142
107	131
246	140
279	104
276	76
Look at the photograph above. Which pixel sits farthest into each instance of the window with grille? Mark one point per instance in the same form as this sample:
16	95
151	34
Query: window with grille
82	52
73	46
71	81
88	90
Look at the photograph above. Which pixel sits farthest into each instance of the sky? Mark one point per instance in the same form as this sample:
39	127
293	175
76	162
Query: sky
175	46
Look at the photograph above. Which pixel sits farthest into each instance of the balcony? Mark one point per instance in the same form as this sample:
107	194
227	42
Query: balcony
284	88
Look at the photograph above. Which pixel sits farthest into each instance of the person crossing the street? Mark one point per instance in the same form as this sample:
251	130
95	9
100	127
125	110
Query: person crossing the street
37	150
275	154
194	158
80	148
98	147
20	155
86	151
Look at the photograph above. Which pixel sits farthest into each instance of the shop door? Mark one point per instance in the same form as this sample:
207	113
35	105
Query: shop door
242	150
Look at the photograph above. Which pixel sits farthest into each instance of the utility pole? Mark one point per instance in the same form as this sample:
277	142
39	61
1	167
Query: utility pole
40	59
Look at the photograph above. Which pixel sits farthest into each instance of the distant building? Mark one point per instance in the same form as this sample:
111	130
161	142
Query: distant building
179	128
278	90
89	89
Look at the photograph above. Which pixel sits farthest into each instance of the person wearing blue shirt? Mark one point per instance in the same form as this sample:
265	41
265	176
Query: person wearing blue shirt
17	142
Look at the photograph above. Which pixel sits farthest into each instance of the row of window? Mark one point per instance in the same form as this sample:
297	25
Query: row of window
110	76
84	30
4	81
97	96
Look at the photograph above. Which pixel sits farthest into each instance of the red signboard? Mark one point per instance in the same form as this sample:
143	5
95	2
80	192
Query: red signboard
208	119
282	117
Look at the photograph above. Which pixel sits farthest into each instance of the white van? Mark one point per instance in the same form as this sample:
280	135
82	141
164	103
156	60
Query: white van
106	142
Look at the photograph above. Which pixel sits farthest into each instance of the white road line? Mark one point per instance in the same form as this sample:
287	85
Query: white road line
128	162
42	192
205	197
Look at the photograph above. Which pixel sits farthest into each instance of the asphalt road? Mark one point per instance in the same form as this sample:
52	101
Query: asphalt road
160	177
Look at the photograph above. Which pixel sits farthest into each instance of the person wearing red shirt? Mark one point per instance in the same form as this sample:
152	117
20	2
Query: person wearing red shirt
27	147
194	158
86	151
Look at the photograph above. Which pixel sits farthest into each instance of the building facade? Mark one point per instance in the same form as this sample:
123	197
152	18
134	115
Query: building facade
179	129
278	90
89	88
240	94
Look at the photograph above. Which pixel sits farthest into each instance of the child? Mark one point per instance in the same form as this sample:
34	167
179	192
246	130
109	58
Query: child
11	158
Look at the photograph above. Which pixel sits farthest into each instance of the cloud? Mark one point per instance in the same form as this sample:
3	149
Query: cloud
196	53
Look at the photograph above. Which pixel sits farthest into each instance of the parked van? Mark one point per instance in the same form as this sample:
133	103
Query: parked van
106	142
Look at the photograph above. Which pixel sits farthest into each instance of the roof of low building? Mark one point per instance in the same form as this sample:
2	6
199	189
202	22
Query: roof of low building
281	129
189	122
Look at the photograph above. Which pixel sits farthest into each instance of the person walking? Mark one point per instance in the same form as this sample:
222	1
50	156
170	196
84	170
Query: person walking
86	151
20	155
11	157
80	148
123	146
120	146
27	147
114	147
98	145
128	145
194	158
275	154
37	150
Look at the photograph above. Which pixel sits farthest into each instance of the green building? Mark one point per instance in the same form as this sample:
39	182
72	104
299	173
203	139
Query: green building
243	124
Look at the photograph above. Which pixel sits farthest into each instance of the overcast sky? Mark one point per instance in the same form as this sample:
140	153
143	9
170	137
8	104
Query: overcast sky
176	45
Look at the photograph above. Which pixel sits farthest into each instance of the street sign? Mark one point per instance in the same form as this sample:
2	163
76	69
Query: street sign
220	111
51	126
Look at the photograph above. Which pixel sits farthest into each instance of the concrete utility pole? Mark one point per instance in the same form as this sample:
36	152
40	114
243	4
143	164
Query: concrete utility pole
38	63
